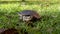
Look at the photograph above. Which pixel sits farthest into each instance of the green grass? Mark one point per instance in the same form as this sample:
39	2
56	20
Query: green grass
49	24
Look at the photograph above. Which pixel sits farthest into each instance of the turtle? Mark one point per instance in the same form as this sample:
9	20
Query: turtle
29	15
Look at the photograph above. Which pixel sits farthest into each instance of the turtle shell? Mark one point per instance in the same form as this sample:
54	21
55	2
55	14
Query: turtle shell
30	13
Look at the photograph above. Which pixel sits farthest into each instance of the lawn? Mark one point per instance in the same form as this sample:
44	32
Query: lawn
49	24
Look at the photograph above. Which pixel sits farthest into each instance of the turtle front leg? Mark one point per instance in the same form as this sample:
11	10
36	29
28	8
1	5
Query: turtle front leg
30	23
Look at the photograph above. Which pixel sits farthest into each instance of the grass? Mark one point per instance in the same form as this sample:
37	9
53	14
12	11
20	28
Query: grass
49	24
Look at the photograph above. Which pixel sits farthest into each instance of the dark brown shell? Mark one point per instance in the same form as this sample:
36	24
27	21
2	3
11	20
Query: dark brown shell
31	13
8	31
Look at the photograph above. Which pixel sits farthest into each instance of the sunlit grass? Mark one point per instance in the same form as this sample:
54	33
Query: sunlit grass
49	24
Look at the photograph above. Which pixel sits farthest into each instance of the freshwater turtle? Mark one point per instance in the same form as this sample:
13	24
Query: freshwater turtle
28	15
